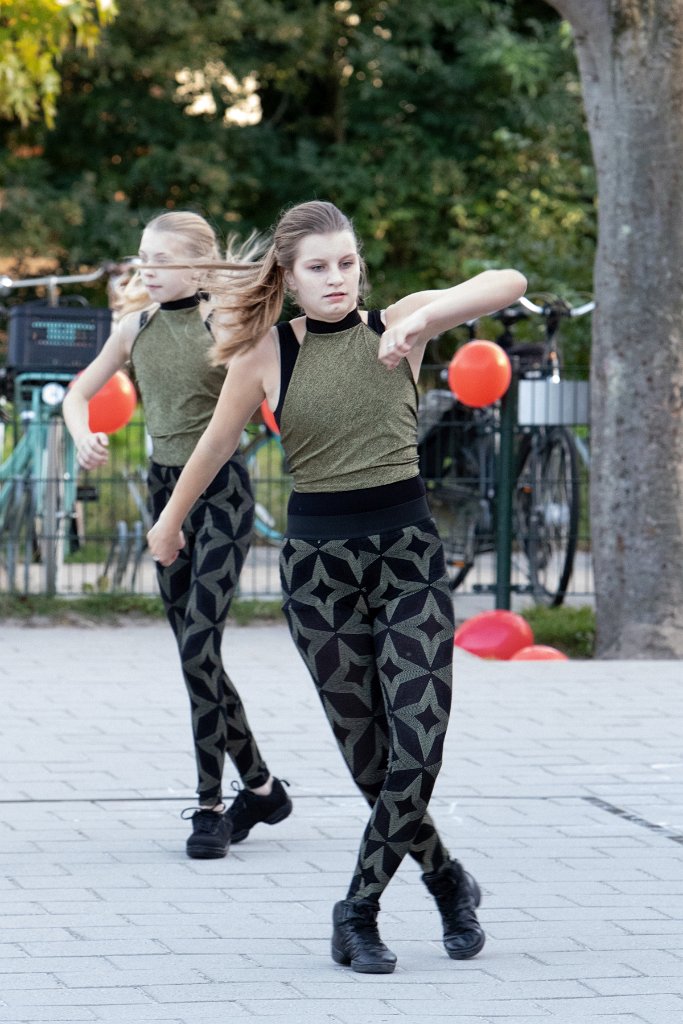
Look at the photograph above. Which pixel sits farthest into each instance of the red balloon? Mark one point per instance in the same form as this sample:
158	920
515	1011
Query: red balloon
479	373
112	406
494	634
539	652
268	417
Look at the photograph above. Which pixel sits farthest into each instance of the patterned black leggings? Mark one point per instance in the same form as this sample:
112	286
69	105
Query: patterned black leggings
197	590
373	620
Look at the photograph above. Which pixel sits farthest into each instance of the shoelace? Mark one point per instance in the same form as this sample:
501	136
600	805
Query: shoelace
243	790
239	804
203	820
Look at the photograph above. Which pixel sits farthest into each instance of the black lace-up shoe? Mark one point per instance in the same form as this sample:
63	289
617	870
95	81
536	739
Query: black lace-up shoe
248	809
211	831
355	938
457	896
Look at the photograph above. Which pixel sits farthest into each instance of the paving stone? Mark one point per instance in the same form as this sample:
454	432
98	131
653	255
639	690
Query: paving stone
564	796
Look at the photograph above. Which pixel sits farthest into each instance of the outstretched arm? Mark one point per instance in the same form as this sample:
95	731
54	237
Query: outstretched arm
413	320
92	448
240	396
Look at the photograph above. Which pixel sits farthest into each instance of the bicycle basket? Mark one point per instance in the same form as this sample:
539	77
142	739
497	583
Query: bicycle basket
55	338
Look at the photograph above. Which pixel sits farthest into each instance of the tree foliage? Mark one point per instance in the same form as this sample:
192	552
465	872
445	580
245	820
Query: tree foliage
33	35
451	130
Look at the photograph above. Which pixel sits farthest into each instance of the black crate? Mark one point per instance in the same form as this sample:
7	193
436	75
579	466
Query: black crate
55	338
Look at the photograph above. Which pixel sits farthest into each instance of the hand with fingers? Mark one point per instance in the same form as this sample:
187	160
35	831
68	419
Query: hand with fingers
165	543
399	340
92	450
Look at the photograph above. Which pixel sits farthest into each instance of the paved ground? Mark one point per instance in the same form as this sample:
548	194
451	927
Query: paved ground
562	791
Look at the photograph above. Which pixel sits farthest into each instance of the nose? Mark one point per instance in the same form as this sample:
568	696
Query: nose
334	275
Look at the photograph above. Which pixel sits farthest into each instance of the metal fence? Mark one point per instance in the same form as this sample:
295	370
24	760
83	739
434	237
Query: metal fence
95	542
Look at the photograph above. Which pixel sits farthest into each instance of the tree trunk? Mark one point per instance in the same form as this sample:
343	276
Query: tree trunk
630	54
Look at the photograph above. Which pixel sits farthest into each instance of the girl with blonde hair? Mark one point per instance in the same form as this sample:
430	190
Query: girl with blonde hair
163	330
362	566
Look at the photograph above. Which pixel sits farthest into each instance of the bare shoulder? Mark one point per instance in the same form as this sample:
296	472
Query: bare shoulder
259	356
128	327
365	315
298	325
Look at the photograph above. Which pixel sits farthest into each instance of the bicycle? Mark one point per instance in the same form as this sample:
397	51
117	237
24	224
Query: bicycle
270	481
460	459
48	343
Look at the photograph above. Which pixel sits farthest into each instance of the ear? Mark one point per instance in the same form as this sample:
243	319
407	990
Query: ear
289	281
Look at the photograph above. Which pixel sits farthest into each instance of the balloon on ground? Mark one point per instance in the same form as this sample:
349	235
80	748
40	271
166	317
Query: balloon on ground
494	634
538	652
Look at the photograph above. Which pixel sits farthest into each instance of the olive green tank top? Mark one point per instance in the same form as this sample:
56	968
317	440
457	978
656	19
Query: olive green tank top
347	421
178	385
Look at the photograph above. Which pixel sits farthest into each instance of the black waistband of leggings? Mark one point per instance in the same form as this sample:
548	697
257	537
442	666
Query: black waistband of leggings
363	499
358	524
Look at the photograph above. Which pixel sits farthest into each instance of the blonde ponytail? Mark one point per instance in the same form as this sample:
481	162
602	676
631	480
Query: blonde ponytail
248	300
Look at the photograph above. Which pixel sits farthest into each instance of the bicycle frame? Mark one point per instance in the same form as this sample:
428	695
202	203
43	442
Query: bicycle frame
38	480
509	489
42	466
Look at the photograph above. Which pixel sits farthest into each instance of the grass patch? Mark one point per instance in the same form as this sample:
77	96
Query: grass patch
109	609
571	630
245	611
99	608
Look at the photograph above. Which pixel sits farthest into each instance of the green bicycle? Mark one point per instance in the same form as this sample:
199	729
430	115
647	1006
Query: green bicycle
48	343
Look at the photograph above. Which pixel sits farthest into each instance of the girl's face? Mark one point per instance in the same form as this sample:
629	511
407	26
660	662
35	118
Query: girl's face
326	275
159	247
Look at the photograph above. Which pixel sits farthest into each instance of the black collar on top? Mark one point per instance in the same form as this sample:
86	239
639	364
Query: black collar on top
190	302
351	319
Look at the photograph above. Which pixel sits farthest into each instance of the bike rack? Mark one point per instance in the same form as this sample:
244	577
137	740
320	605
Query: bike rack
126	548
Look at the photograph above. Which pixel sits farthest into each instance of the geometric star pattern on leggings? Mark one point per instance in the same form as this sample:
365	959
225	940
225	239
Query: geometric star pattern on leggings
376	633
217	533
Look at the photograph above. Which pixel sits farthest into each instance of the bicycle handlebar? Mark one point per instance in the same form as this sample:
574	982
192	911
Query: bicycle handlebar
558	306
51	281
7	284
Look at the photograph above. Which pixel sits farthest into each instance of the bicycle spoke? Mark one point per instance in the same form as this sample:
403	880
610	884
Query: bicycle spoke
546	513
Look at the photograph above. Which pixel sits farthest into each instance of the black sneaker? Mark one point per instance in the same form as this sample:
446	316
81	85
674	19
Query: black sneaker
457	896
211	831
248	809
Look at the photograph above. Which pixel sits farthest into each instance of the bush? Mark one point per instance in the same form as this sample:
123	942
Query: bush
571	630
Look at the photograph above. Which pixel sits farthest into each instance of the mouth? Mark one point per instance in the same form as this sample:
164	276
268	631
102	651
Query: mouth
336	295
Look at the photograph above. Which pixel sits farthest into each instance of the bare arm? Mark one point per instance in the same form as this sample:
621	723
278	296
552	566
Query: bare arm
241	394
413	320
92	448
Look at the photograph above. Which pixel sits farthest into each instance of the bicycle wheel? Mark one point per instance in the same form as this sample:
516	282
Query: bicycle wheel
271	484
546	512
455	462
456	510
18	547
